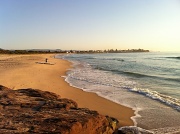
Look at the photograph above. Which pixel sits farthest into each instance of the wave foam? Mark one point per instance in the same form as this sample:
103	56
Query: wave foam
172	102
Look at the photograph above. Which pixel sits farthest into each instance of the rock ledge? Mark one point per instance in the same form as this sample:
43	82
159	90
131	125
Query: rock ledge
36	111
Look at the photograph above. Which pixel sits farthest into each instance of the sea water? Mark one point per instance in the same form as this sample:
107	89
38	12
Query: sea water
147	82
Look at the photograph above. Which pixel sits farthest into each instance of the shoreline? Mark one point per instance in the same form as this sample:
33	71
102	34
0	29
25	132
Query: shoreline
133	118
21	71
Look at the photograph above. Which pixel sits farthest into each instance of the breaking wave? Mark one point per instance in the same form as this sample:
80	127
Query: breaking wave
172	102
165	99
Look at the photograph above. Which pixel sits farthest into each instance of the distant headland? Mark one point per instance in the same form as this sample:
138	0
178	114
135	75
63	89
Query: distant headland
44	51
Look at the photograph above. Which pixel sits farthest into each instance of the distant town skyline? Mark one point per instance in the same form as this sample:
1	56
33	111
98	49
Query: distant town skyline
90	24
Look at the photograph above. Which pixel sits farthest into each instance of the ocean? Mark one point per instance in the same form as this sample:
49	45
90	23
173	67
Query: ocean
147	82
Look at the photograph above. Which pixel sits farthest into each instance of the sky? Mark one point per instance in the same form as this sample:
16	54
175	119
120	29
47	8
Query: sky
90	24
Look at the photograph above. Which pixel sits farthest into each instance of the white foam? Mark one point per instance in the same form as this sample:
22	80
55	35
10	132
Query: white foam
173	102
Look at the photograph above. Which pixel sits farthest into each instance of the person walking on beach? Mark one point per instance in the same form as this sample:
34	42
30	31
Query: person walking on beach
46	60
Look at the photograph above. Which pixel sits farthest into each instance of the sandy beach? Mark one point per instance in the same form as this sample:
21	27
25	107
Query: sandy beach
23	71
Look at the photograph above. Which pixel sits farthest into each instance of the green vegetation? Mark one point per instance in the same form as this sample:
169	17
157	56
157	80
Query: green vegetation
35	51
47	51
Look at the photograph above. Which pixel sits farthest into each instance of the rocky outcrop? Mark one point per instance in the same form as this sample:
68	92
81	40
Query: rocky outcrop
36	111
133	130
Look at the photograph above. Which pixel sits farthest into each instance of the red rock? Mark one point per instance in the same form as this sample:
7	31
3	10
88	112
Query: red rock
36	111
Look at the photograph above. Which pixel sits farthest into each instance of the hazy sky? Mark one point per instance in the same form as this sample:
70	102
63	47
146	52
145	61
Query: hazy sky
90	24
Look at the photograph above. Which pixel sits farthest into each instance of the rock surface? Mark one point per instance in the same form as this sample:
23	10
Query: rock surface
36	111
133	130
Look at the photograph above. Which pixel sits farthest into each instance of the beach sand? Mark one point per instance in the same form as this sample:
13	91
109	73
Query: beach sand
23	71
